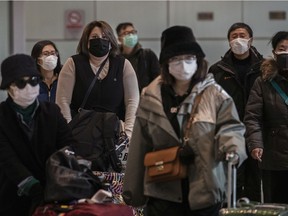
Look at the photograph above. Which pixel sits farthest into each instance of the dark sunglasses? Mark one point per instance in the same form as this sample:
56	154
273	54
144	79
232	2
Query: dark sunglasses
33	81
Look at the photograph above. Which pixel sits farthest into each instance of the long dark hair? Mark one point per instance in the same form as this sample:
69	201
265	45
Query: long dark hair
82	47
37	51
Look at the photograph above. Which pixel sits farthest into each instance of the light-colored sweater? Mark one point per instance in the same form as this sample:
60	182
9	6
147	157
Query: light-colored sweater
66	82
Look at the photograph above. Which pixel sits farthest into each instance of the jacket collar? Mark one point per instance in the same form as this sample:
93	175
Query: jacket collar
269	69
254	55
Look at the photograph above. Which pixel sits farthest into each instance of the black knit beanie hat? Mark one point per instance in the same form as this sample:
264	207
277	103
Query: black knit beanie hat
178	40
15	67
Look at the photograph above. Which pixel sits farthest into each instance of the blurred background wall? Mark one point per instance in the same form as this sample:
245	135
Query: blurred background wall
23	23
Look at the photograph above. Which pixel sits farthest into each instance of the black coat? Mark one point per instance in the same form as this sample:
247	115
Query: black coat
266	119
20	158
225	75
146	65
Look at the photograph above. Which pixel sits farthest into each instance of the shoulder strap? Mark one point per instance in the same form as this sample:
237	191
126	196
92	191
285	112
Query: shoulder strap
92	84
192	115
280	91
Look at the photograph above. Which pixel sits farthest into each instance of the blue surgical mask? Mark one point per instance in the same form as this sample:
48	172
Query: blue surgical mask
130	40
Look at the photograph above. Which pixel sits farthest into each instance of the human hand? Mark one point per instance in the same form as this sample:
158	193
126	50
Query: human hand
257	154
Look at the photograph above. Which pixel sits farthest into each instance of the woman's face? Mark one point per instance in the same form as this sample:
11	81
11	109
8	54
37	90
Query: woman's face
281	55
97	33
47	51
282	46
183	67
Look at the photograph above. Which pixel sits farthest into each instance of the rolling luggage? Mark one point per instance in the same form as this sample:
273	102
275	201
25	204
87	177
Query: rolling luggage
243	206
84	209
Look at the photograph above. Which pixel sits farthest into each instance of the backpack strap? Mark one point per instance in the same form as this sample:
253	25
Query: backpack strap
280	91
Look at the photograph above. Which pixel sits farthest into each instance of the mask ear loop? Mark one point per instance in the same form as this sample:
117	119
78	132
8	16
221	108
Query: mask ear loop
274	55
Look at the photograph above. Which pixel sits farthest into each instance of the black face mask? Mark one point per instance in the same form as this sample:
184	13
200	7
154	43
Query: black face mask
282	61
99	47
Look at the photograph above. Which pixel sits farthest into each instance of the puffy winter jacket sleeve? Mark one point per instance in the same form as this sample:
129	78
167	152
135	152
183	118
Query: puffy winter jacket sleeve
230	131
133	190
254	117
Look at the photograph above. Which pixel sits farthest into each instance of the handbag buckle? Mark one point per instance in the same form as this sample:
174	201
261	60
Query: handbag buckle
159	165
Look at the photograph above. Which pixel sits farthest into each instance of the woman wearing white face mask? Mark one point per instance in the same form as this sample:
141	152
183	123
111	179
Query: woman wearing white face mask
161	121
30	131
49	65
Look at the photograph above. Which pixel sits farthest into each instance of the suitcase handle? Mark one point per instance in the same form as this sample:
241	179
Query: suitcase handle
231	186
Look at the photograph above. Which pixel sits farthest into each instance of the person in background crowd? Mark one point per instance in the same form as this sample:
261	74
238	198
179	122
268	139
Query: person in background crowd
144	61
161	119
49	65
236	73
30	131
266	119
116	87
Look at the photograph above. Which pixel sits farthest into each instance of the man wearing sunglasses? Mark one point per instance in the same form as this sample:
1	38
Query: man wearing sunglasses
30	131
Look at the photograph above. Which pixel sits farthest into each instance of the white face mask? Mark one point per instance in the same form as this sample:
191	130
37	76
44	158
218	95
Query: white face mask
239	45
24	97
49	63
183	69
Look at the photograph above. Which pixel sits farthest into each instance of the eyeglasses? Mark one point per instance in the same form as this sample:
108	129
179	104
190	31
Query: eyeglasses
47	53
21	83
189	59
128	32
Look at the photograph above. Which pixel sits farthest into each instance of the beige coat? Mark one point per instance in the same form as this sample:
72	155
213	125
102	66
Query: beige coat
215	131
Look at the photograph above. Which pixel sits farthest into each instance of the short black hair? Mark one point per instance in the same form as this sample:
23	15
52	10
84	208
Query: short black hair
123	25
279	36
240	25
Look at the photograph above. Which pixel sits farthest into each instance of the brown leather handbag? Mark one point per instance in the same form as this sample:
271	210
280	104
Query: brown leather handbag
165	165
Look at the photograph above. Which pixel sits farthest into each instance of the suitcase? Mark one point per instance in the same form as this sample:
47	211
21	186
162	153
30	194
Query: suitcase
243	206
84	209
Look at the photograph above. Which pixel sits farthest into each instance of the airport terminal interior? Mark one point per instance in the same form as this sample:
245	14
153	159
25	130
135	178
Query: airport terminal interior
23	23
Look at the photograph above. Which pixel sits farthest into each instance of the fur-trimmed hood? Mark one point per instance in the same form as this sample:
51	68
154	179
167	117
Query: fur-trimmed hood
269	69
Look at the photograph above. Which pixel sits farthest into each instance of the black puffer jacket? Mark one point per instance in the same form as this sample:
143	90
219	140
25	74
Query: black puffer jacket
266	118
225	75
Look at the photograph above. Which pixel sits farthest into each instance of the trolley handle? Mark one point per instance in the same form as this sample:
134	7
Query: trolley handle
233	160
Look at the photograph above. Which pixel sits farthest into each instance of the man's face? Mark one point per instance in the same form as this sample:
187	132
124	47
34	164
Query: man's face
126	31
240	42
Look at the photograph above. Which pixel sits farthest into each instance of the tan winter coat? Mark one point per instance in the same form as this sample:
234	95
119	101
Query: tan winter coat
215	131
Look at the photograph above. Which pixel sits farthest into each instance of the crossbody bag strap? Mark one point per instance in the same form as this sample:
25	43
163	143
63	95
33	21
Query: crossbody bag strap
92	85
280	91
191	118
